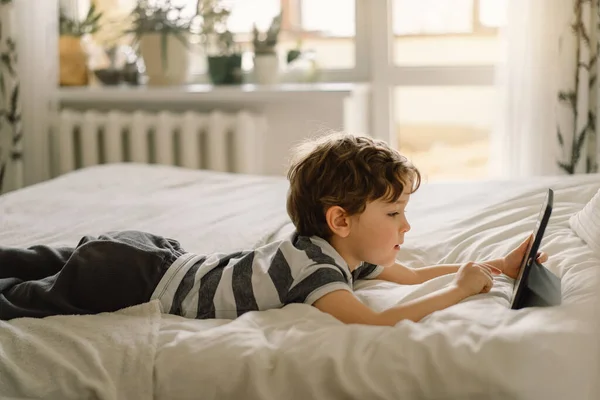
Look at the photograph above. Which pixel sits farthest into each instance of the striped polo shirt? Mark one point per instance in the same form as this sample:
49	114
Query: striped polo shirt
298	269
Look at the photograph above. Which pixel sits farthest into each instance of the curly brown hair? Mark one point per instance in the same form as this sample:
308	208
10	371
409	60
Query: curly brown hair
343	170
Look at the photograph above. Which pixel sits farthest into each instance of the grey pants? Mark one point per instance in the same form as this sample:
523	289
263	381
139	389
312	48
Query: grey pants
105	273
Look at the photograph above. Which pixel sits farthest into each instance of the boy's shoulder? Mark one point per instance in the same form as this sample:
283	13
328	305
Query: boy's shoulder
300	251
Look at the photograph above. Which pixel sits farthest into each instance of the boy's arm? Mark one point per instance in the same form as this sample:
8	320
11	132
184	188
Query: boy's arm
344	306
411	276
400	274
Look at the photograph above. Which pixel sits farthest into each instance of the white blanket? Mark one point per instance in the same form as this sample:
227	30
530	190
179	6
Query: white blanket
477	349
106	356
205	211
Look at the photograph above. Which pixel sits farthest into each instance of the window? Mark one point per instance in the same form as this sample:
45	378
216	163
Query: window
305	22
447	32
444	128
427	17
440	68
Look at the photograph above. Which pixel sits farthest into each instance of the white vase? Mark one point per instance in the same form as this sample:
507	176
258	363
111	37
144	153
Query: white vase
266	68
176	69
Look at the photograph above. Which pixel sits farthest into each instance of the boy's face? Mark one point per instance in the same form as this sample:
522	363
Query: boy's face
377	233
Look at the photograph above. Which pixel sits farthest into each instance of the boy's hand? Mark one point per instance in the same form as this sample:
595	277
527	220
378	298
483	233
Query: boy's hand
474	278
511	263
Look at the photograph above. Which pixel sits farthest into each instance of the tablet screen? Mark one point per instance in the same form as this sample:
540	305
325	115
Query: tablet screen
538	233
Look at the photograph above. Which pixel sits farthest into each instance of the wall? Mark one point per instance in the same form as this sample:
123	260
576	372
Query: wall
38	67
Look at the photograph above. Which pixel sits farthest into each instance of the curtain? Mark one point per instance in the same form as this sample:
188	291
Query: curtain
548	90
577	94
11	169
524	138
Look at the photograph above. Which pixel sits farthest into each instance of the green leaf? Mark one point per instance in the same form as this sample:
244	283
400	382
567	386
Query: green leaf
591	121
2	169
163	50
566	167
14	102
588	164
560	137
2	84
16	155
578	145
5	59
568	97
17	136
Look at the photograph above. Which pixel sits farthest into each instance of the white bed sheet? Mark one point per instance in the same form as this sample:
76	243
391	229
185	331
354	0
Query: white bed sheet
205	211
477	349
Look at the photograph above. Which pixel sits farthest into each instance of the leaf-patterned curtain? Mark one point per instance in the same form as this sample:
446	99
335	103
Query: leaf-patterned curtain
578	90
11	170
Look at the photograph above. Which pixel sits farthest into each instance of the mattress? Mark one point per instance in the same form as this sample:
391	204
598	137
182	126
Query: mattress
478	348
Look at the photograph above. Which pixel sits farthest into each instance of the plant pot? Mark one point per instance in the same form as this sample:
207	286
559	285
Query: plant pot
266	68
171	68
225	70
109	77
73	70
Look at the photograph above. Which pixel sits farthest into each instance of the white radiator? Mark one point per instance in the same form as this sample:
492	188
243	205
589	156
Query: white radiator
227	142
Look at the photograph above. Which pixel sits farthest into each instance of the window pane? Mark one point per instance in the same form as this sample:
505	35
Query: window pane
317	16
412	17
442	32
447	50
445	131
329	29
308	22
244	13
493	13
331	39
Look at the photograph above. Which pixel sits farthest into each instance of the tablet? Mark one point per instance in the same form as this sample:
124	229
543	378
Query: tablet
529	260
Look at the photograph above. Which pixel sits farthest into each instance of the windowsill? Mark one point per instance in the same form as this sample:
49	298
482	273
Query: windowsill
199	92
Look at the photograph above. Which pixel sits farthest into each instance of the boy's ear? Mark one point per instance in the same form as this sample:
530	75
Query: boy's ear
338	221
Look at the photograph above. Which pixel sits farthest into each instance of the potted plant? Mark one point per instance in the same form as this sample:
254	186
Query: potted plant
162	34
225	66
73	59
266	61
223	54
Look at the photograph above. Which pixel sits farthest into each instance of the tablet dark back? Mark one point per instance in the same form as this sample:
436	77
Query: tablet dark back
522	285
541	289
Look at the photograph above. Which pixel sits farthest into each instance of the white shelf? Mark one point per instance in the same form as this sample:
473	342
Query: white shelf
204	92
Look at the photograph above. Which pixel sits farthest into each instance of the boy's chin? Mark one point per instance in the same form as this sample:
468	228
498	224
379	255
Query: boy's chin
386	263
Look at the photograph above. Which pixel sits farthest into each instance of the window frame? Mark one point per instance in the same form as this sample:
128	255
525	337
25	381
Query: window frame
374	61
385	75
477	28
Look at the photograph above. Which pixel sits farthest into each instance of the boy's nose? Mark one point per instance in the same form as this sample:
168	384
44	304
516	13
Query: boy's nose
405	227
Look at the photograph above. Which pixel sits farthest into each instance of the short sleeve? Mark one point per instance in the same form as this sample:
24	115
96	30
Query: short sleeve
367	271
315	281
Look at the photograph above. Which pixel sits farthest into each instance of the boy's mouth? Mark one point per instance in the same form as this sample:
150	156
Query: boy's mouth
397	247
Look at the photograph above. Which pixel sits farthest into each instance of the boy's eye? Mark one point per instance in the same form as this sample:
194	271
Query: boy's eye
393	214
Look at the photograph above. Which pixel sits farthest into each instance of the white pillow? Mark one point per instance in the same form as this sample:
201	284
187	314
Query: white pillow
586	223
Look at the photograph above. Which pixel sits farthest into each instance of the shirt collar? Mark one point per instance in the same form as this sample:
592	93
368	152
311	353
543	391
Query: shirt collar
331	252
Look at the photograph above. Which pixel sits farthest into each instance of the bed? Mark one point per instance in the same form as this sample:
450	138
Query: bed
476	349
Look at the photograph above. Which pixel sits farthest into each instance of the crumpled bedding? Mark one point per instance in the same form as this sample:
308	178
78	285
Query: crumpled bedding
476	349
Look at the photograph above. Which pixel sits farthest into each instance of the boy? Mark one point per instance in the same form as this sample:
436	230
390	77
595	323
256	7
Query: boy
347	200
